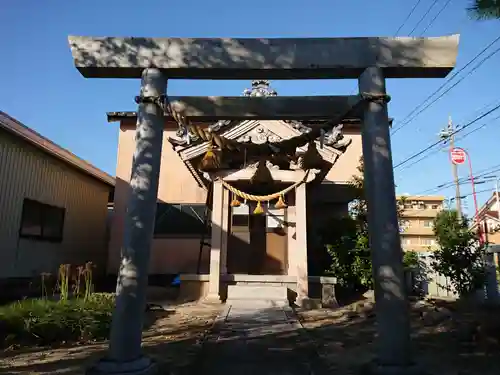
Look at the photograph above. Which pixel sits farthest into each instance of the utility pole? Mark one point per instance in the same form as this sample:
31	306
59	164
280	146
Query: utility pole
497	196
448	134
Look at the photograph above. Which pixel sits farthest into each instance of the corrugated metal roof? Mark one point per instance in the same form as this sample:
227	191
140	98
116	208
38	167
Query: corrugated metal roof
22	131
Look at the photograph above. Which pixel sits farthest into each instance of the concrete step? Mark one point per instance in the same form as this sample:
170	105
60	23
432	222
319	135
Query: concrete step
263	296
257	304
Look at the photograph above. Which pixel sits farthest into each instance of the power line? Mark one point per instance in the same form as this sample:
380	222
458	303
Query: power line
424	16
407	17
477	192
438	142
462	180
480	174
425	157
435	17
400	27
456	83
466	182
449	89
454	132
478	128
410	117
445	146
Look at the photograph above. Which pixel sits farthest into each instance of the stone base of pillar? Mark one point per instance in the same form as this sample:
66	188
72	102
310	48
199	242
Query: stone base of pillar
212	298
141	366
305	303
373	368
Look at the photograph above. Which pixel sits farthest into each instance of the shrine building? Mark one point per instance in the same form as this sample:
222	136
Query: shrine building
243	220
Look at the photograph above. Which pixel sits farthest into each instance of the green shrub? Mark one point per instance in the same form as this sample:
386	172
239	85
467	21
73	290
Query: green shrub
44	322
460	253
411	259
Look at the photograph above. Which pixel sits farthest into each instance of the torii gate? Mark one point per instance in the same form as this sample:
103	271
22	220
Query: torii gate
370	60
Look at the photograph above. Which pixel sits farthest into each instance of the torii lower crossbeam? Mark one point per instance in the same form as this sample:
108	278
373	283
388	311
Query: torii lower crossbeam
203	108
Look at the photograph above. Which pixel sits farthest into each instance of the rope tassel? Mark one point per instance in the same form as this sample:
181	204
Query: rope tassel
210	161
258	210
235	202
280	204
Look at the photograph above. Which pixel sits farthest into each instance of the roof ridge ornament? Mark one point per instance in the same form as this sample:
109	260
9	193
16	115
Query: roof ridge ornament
260	88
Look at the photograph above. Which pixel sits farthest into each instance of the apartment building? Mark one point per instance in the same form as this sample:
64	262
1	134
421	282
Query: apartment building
417	218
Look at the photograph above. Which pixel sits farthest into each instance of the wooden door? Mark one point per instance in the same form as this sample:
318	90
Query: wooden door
257	243
238	248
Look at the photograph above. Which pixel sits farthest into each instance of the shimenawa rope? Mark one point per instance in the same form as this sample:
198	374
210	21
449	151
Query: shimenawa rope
263	198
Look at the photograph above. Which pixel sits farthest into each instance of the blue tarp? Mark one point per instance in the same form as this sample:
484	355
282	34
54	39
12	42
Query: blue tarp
176	281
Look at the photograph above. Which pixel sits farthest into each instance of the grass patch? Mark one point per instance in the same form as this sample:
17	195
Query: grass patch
41	322
74	314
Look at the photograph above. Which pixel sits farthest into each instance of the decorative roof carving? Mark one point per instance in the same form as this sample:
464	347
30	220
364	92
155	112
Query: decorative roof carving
188	137
269	164
259	135
261	88
333	138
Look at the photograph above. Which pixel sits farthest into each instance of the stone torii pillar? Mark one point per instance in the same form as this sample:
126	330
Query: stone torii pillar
391	304
124	355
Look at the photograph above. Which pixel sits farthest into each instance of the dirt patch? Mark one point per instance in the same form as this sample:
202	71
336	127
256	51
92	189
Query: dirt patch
448	337
171	339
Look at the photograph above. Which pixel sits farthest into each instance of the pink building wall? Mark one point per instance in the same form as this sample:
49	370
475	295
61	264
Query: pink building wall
177	185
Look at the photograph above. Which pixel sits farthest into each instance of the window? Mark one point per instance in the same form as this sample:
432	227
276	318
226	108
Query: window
181	220
240	218
435	206
41	221
428	224
427	241
409	240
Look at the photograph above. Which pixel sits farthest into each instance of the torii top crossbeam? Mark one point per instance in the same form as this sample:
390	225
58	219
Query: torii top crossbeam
280	58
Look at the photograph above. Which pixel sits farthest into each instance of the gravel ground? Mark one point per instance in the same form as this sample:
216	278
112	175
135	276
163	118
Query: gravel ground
172	340
449	338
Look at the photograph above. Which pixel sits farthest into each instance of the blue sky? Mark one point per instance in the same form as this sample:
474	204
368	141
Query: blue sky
40	86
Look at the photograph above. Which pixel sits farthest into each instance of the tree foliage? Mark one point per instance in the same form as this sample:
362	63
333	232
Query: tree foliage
347	241
485	9
459	256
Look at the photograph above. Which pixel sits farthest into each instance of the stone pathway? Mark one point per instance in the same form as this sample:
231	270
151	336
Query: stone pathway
250	340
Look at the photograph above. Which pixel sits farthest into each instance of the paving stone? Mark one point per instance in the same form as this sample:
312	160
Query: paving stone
258	340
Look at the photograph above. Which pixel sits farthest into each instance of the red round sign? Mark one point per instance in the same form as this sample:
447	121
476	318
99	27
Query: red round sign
458	156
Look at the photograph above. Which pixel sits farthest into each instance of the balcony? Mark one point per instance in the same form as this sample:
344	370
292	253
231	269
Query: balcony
418	231
417	213
418	247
